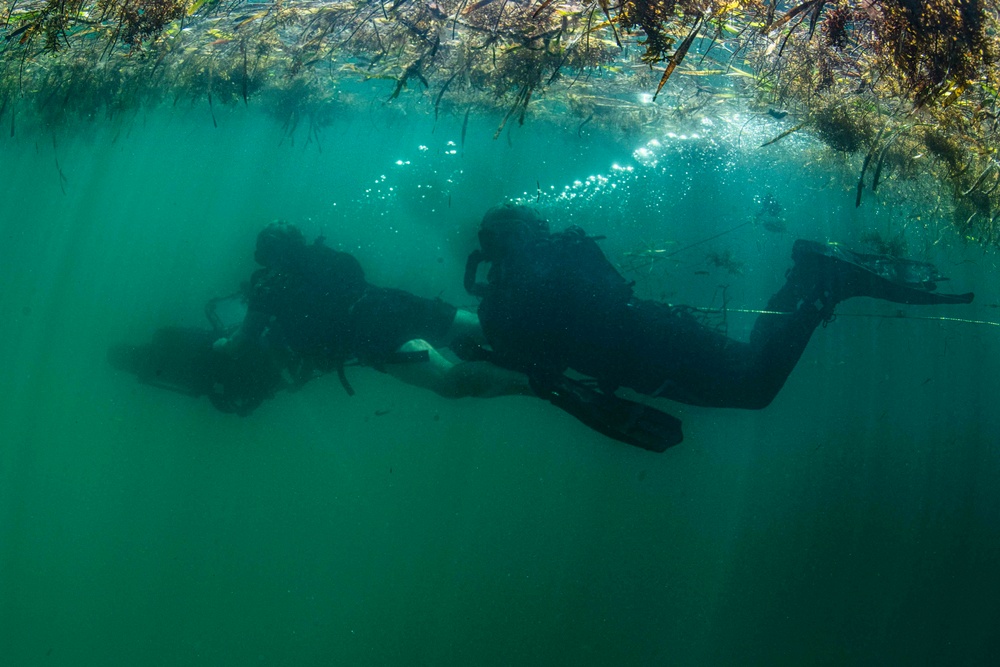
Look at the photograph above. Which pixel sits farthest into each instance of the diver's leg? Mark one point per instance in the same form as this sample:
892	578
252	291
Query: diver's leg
713	370
676	356
777	341
695	364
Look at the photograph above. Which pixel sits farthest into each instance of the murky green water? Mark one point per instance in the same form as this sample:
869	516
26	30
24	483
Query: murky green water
855	521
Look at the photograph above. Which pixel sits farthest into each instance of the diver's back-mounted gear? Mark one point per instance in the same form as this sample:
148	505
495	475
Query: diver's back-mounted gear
560	278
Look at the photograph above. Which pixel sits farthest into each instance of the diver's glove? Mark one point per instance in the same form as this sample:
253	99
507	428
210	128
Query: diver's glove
232	346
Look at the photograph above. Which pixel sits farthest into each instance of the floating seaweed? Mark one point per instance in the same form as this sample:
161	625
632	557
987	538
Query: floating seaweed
882	82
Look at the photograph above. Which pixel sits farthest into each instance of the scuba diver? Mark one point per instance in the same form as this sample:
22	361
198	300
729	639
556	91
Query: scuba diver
553	302
306	312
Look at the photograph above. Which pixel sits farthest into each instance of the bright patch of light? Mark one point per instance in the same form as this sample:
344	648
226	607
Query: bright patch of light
645	157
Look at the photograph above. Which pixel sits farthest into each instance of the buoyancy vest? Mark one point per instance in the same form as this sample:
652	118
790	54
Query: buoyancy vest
555	303
310	304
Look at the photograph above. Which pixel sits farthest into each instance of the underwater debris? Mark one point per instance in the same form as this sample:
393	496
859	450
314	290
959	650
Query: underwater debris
893	246
725	260
944	147
769	206
852	70
842	128
645	257
770	215
678	55
784	134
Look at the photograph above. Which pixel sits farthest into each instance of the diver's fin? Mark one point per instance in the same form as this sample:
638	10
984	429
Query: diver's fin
618	418
843	273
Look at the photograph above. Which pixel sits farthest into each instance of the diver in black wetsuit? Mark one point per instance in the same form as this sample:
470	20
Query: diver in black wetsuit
309	310
553	302
312	306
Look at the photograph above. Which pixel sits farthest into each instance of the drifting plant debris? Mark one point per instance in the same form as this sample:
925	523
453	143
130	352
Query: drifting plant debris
911	86
725	260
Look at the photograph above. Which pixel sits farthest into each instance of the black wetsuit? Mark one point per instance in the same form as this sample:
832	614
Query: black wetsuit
313	317
325	313
556	303
385	318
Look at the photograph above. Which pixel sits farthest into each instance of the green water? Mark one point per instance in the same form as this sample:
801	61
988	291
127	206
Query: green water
856	521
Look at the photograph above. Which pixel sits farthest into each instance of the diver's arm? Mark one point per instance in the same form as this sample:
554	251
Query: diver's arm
465	325
468	378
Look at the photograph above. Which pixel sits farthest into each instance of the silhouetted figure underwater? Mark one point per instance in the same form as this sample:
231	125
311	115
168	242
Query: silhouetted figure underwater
553	302
306	312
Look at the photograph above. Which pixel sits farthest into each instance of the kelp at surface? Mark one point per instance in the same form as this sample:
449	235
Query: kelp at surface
882	80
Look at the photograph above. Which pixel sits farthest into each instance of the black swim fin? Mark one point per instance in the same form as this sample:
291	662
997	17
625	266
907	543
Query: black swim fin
618	418
841	273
